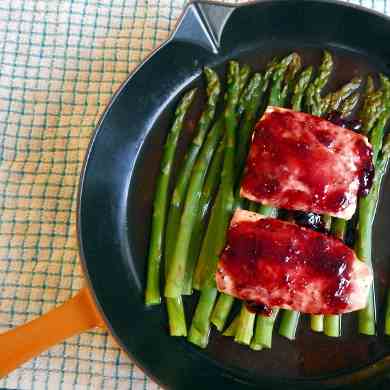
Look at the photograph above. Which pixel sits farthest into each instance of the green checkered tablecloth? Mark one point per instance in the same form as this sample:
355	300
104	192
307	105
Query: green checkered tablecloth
60	61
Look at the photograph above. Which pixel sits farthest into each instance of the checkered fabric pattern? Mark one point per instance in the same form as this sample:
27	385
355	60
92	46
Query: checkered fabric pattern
60	61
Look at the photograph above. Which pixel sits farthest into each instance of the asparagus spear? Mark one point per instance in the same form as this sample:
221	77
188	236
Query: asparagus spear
177	325
253	94
175	307
371	106
245	100
200	326
349	104
256	343
246	322
289	324
175	280
367	208
332	323
221	311
387	314
264	329
176	271
289	80
209	189
300	88
245	72
160	203
313	92
376	137
334	100
225	199
278	75
232	328
223	205
179	192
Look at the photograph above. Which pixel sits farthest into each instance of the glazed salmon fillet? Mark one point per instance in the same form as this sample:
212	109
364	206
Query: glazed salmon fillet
280	264
298	161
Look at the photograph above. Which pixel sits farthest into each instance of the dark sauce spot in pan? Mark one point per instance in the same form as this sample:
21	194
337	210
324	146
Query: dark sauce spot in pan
259	308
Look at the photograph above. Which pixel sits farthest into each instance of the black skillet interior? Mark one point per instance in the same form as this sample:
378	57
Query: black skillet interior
122	165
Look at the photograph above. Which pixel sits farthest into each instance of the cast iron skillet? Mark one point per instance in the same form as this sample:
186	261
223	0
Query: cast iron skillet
121	168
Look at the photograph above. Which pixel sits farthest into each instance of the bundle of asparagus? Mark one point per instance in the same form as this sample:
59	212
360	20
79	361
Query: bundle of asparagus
190	233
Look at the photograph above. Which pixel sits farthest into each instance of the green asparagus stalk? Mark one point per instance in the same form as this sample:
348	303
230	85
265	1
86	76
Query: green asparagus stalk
221	311
246	322
253	94
222	208
343	100
160	203
200	326
264	329
363	247
332	323
256	343
227	178
317	322
224	202
300	88
376	137
387	314
349	104
232	328
313	92
269	71
209	189
245	72
374	110
176	317
275	96
208	239
335	99
371	106
385	85
289	79
176	271
289	324
180	190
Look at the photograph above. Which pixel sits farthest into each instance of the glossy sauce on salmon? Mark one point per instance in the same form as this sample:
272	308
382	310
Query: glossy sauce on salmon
302	162
280	264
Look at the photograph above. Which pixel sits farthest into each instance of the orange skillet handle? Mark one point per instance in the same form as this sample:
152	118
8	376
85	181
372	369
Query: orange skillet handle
24	342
